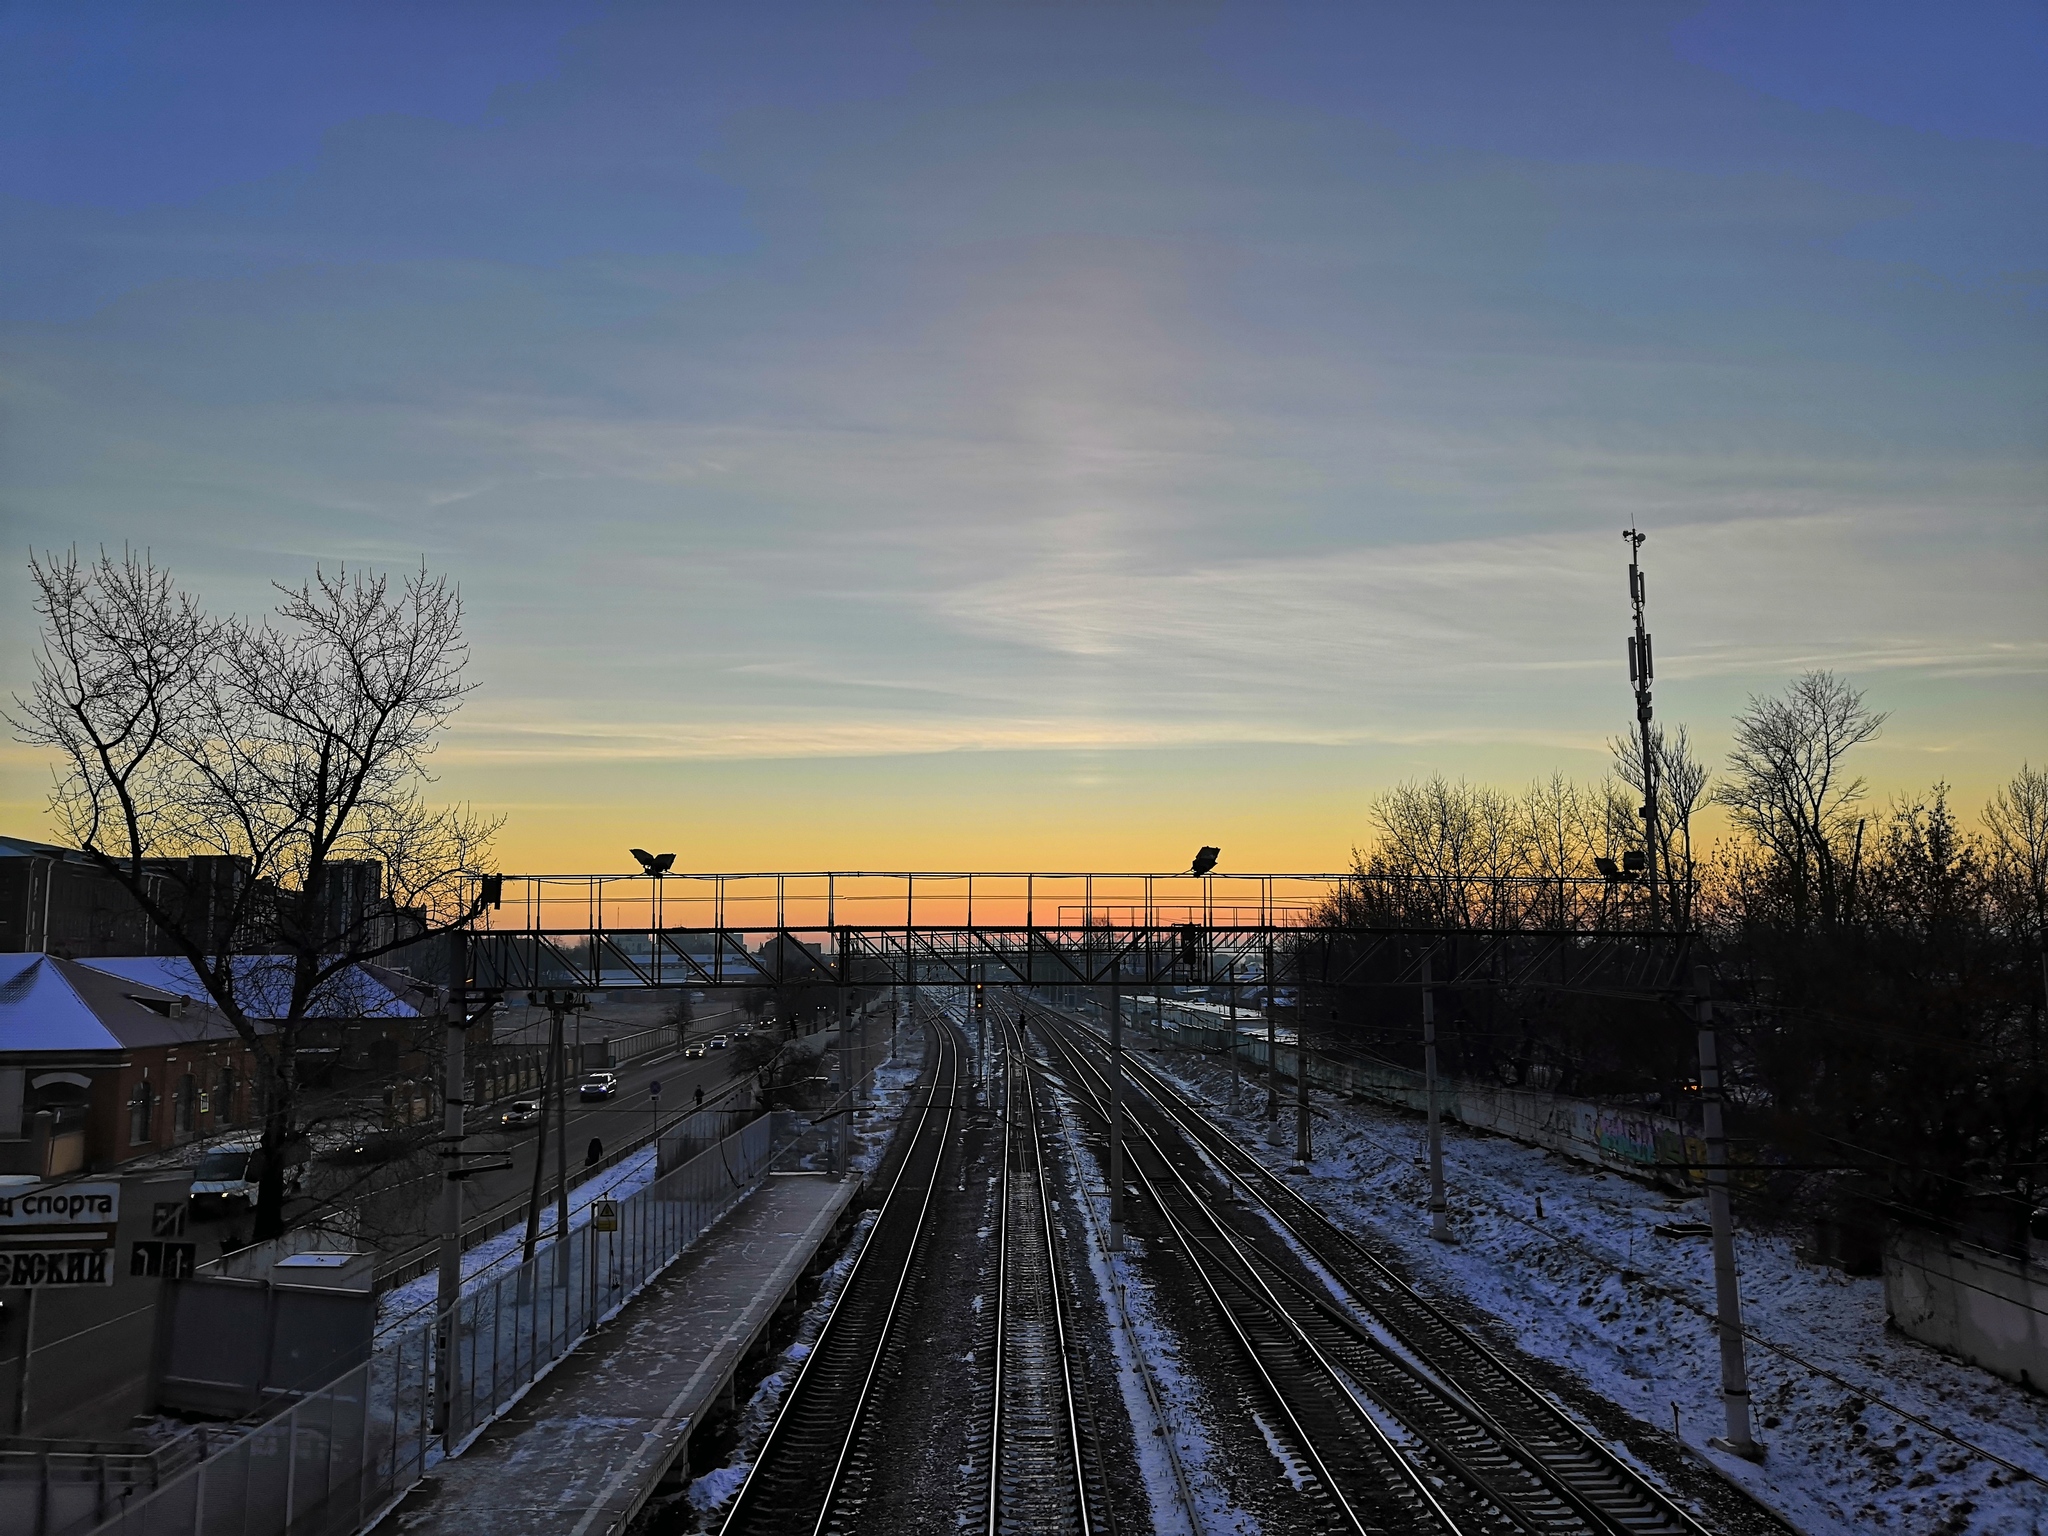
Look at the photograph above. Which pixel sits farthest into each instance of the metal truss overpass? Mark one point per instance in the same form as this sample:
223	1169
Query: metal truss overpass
866	929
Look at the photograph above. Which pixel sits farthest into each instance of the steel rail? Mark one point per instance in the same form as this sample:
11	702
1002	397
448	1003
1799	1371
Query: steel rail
822	1415
1123	1326
1034	1486
1609	1495
1268	1333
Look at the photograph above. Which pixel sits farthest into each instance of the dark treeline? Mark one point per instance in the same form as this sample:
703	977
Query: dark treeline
1881	972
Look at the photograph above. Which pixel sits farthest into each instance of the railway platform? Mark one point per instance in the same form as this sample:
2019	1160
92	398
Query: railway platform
585	1448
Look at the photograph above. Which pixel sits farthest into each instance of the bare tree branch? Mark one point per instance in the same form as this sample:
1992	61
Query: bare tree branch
234	775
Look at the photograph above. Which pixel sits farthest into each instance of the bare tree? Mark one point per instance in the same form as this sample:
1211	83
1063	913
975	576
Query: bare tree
2017	821
1441	844
246	780
1788	787
1564	833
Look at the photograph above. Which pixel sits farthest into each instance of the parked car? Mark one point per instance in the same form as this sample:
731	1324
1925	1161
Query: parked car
719	1042
693	1050
520	1112
598	1085
229	1177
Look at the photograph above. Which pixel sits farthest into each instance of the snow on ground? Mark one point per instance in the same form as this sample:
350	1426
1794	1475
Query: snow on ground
885	1090
889	1092
1566	1258
710	1492
407	1302
1175	1456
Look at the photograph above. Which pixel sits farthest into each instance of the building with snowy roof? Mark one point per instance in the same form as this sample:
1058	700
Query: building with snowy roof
97	1068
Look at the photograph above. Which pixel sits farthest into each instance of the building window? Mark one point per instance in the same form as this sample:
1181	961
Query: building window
185	1106
141	1114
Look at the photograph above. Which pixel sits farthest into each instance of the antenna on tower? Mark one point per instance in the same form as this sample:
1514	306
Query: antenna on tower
1641	670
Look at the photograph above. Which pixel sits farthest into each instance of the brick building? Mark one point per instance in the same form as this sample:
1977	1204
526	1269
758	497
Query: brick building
98	1069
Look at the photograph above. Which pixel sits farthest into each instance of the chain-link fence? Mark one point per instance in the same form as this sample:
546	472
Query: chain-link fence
327	1464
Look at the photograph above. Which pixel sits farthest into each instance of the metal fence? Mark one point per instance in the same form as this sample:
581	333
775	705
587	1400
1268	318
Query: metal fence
621	1049
335	1458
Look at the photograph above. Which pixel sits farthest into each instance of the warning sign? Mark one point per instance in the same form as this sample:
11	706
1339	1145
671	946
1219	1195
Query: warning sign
604	1215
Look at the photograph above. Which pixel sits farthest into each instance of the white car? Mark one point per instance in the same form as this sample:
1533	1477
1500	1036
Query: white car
598	1085
719	1042
693	1050
231	1176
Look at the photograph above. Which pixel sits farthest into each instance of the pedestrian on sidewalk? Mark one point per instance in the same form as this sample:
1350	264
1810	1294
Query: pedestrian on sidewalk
594	1154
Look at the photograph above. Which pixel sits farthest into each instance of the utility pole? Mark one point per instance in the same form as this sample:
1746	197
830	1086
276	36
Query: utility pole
1641	668
1272	1038
842	1142
540	1145
1727	1295
562	1161
1234	1074
1303	1148
1116	1107
1439	1208
448	1286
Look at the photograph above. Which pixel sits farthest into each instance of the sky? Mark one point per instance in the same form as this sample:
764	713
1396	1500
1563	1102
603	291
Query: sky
1043	435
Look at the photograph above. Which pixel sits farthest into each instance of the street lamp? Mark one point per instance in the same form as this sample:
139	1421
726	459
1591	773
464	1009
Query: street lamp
655	865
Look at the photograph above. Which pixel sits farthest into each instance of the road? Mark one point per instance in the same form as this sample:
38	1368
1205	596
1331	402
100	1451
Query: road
405	1209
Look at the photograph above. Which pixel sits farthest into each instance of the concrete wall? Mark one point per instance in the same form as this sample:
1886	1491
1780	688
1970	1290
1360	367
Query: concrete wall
85	1350
1969	1302
1629	1140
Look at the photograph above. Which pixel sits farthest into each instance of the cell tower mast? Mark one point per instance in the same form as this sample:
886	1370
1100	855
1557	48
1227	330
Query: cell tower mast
1640	670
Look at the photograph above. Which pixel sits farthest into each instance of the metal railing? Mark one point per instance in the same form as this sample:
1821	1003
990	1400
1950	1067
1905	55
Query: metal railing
62	1484
339	1455
822	901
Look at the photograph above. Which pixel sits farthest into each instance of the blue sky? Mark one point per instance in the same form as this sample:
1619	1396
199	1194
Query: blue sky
981	432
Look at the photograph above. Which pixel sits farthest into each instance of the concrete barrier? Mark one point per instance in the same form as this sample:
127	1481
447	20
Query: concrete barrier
1979	1306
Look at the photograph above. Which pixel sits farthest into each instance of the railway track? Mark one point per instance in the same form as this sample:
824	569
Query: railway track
1041	1470
1403	1418
812	1472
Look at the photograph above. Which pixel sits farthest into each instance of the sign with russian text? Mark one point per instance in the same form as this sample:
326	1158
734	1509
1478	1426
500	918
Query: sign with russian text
61	1205
41	1267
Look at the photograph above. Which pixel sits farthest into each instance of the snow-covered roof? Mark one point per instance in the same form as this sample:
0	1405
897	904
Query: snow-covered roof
263	985
50	1004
